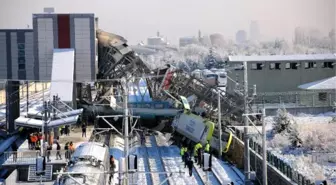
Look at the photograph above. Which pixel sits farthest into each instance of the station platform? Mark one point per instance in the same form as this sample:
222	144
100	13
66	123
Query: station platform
25	156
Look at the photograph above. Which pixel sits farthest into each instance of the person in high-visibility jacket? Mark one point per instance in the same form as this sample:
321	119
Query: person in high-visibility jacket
197	147
183	151
207	147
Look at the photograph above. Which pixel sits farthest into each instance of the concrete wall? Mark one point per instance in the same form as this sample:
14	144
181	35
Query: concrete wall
282	80
236	155
297	110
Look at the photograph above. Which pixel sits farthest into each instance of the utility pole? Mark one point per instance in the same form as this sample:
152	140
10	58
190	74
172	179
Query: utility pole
45	106
220	125
126	129
246	132
264	147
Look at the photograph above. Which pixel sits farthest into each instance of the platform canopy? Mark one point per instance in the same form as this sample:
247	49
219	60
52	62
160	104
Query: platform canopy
325	84
35	123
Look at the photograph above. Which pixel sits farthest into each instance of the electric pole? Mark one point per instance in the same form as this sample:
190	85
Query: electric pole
264	148
220	125
246	132
126	128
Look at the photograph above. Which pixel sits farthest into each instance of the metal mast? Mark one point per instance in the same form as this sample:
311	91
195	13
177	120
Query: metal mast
264	148
126	117
246	124
219	125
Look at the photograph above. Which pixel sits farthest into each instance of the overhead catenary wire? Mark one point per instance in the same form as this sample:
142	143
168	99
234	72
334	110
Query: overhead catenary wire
83	81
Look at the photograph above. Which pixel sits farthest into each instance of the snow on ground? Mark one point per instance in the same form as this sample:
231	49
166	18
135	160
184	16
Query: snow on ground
316	158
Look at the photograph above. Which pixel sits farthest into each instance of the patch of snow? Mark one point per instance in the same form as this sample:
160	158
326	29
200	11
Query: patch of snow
317	134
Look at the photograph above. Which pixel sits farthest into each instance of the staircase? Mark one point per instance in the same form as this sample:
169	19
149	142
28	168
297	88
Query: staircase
32	177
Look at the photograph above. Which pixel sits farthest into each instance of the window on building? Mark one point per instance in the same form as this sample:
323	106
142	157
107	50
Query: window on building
287	65
22	66
21	53
21	46
21	60
275	66
328	65
256	66
309	65
292	65
322	96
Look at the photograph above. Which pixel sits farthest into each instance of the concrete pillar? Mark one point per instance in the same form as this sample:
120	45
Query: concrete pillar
12	104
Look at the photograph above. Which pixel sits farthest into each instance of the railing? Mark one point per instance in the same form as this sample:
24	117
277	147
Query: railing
298	99
278	163
28	157
323	157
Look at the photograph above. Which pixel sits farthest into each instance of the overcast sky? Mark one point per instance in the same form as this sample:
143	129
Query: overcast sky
138	19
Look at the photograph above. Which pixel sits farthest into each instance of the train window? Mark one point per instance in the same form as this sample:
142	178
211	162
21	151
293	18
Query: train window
159	106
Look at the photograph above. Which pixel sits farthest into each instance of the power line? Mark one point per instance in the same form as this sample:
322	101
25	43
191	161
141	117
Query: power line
84	81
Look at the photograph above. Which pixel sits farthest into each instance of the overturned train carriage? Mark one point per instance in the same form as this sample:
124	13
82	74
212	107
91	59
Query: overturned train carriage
87	165
197	129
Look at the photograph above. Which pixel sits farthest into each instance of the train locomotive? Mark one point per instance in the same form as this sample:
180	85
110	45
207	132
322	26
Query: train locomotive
87	166
198	129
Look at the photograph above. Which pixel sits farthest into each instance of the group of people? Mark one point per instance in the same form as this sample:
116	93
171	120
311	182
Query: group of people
34	141
64	130
197	153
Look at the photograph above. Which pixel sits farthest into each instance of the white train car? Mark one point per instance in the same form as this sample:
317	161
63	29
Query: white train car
87	166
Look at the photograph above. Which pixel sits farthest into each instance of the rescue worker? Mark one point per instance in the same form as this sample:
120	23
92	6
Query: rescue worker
190	164
183	151
196	148
207	147
200	157
186	158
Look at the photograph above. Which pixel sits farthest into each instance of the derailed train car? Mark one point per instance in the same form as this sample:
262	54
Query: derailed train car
197	129
87	166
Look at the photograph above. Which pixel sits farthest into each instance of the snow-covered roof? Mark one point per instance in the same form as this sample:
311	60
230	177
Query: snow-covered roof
278	58
325	84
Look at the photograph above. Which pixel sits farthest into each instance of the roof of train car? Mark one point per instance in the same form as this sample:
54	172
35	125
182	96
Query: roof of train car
91	149
84	167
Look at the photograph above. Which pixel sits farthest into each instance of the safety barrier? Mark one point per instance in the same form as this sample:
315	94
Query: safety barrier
276	162
28	157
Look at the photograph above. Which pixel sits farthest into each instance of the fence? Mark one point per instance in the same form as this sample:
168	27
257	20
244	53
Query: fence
28	157
298	98
323	157
278	163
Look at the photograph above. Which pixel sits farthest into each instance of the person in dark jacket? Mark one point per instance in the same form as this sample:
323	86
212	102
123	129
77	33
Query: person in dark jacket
83	130
187	157
190	164
67	152
112	167
199	156
58	153
49	147
14	149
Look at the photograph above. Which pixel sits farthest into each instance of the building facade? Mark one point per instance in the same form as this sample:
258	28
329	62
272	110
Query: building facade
16	54
278	73
61	31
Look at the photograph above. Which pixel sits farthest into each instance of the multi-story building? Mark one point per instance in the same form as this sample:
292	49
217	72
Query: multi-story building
277	77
